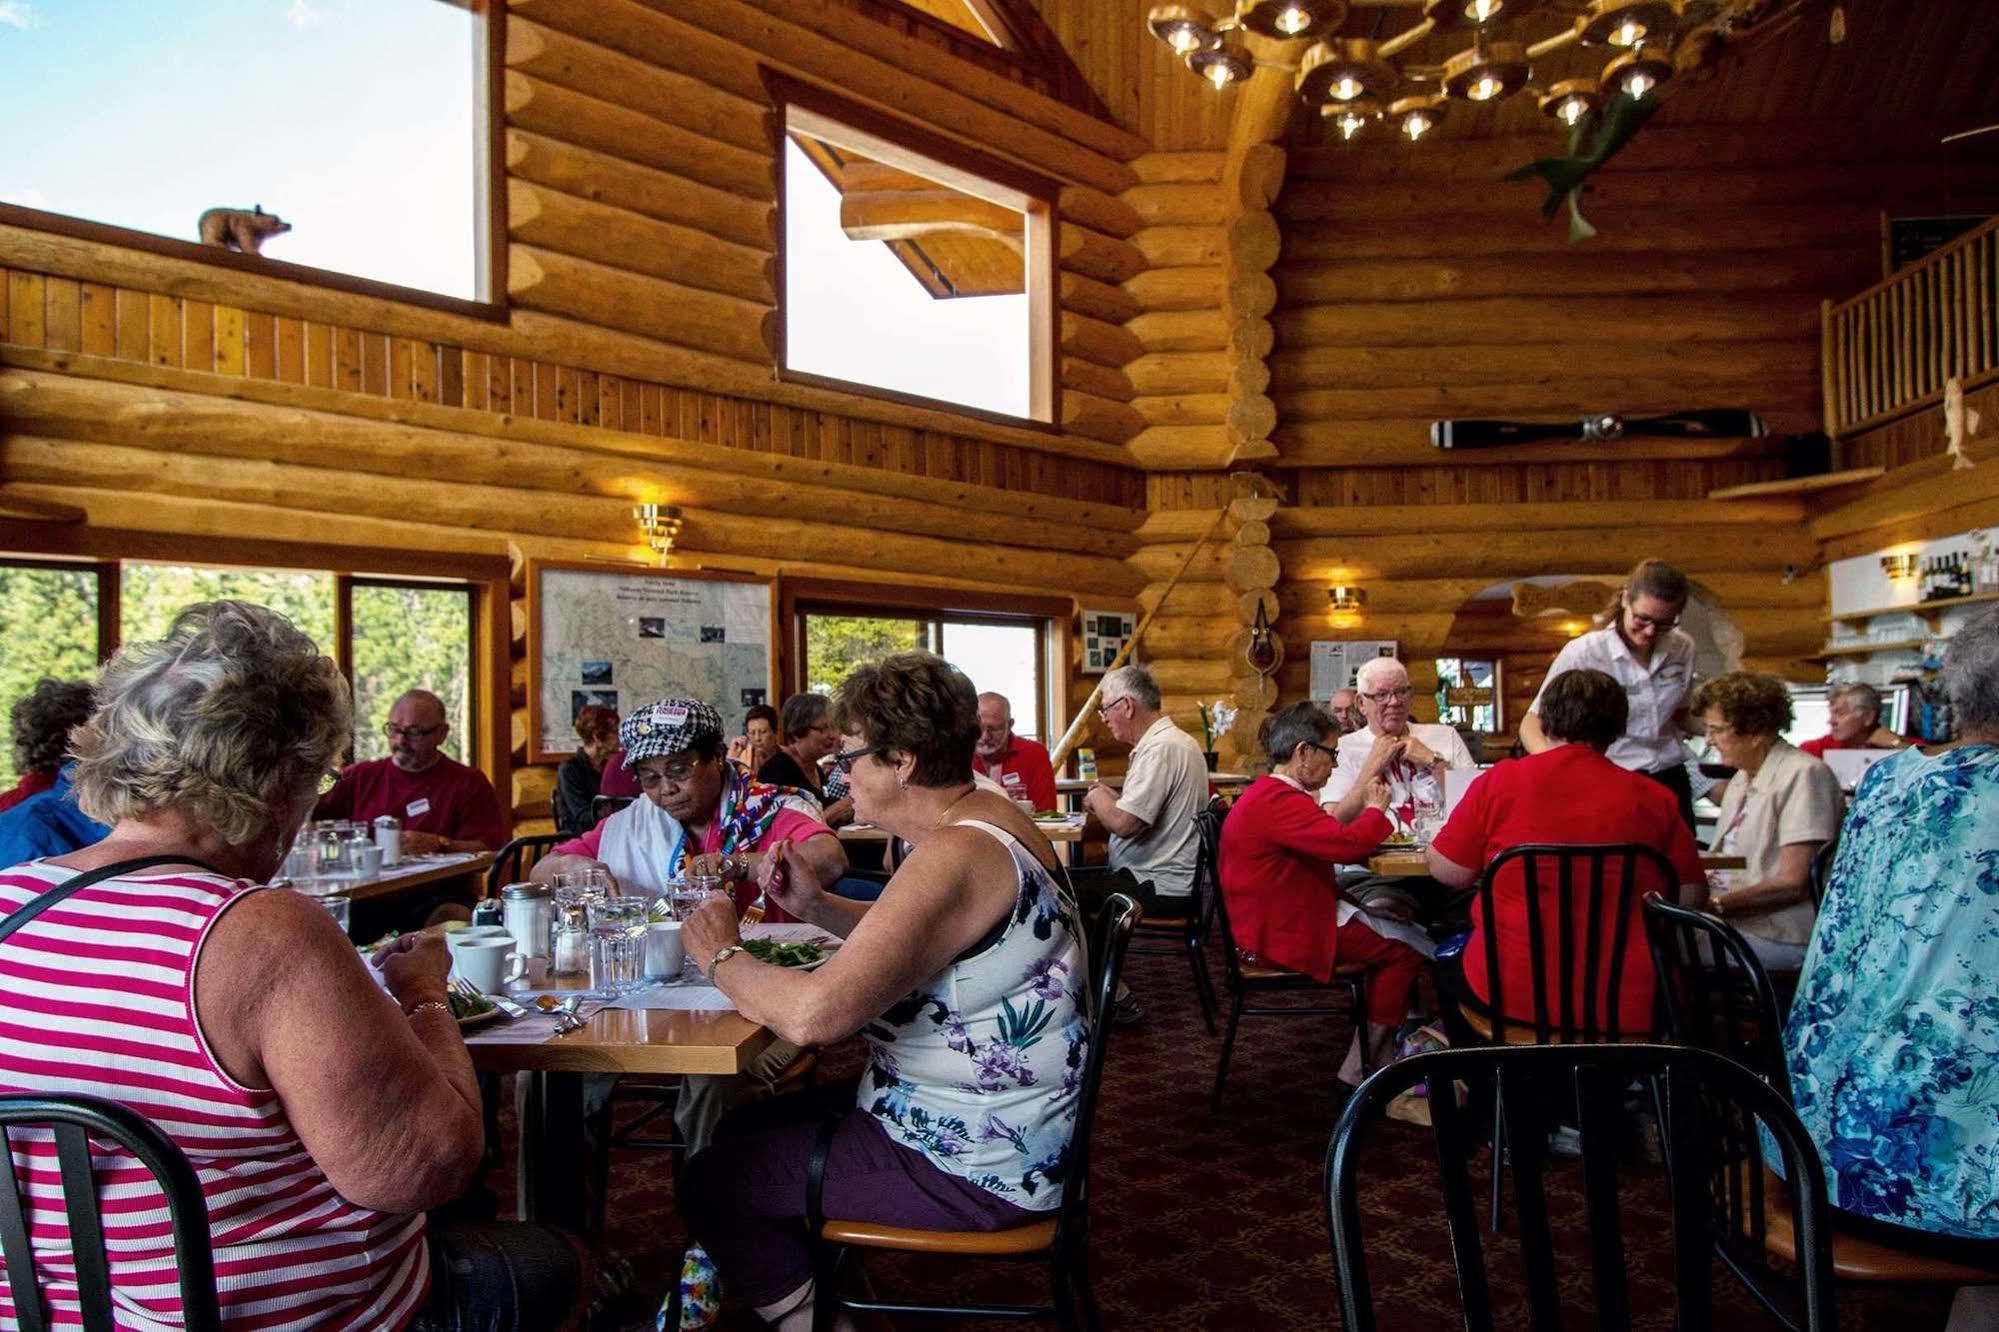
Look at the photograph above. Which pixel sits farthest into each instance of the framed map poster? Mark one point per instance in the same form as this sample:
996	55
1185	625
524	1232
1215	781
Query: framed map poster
1334	663
623	636
1104	635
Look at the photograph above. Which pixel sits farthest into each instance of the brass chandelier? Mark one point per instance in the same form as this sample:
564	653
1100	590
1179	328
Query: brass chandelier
1356	81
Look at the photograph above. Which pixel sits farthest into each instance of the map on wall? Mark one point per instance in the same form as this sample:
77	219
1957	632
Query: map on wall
1334	663
623	638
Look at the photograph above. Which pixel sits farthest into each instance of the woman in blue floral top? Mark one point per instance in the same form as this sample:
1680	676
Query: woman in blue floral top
968	979
1894	1037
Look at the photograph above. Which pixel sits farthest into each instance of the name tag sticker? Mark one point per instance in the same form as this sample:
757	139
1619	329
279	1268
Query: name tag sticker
417	808
1672	672
673	716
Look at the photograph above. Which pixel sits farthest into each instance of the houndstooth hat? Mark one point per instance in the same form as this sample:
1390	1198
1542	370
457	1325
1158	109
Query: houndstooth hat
668	727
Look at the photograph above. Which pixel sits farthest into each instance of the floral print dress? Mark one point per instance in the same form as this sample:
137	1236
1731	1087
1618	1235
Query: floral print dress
979	1067
1894	1037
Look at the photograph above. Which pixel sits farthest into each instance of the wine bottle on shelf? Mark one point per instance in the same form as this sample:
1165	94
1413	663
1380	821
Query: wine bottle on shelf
1927	583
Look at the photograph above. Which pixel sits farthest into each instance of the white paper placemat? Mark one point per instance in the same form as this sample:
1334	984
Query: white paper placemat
697	996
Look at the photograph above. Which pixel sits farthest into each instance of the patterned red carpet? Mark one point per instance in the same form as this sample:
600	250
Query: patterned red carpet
1218	1222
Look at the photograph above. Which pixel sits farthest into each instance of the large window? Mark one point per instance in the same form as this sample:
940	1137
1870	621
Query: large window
1001	654
911	267
391	636
359	123
1468	694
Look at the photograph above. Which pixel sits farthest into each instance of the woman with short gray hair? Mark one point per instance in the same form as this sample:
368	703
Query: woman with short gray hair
1891	1047
322	1112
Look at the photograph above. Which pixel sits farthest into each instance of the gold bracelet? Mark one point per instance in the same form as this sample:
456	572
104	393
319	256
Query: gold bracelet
426	1004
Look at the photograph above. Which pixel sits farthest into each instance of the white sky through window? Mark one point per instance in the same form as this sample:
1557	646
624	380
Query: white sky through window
853	312
351	119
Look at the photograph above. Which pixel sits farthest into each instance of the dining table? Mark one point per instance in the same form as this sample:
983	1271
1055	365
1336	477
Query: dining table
673	1029
402	896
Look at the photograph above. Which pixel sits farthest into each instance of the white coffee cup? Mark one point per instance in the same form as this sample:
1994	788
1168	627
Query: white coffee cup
664	950
488	964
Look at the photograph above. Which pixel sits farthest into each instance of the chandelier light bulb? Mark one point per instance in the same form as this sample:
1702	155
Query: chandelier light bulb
1293	19
1638	83
1573	110
1184	41
1486	88
1347	88
1220	74
1628	33
1351	124
1478	11
1416	124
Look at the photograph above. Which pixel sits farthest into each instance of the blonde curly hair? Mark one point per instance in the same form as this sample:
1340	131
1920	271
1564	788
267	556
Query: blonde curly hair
233	707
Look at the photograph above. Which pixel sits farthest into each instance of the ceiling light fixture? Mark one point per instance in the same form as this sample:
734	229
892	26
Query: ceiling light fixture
1418	115
1350	118
1626	22
1572	99
1636	73
1450	15
1345	597
1487	71
1184	28
1224	64
1289	20
1342	69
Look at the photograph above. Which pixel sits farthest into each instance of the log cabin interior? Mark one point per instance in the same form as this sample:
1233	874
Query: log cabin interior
1254	272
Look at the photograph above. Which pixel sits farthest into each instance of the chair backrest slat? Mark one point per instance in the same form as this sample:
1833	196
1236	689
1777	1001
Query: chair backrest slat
1712	1098
512	862
86	1227
1116	920
75	1121
1526	1148
1714	990
14	1240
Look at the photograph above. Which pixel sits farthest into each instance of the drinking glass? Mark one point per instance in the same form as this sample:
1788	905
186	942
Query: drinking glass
337	905
617	945
683	895
1428	813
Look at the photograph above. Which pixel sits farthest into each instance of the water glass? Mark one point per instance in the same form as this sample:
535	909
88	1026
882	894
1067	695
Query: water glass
683	896
617	945
337	905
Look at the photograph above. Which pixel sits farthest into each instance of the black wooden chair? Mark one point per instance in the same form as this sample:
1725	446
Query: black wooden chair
1603	885
74	1121
1165	935
513	861
1718	997
603	807
1062	1242
1247	978
1723	1104
1821	874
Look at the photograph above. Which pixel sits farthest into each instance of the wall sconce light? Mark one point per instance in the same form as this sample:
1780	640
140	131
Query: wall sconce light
1903	565
661	524
1345	598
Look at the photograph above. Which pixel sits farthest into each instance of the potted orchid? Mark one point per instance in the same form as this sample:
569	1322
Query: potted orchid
1216	719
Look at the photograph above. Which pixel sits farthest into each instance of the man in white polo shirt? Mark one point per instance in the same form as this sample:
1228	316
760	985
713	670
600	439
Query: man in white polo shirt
1151	820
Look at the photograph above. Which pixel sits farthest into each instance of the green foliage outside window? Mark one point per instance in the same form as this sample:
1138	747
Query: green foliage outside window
411	638
150	595
835	644
48	625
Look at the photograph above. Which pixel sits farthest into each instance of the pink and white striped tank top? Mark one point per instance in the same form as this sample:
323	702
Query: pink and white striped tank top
100	1001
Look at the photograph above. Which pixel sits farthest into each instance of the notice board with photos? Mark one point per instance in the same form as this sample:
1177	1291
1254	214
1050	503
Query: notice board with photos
1334	662
625	635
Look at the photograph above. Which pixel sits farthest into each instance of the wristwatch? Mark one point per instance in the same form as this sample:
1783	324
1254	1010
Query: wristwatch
723	956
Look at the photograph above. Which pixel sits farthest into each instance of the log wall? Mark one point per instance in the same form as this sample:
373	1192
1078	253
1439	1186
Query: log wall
633	361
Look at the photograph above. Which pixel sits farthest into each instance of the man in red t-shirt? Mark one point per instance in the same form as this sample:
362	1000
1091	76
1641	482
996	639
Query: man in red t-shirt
1020	766
1853	721
1567	794
444	805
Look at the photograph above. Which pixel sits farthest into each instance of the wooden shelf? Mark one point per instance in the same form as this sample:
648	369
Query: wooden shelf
1927	609
1868	649
1799	485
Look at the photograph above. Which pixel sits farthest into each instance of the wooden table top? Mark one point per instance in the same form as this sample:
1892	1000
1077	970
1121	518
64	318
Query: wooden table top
620	1040
414	872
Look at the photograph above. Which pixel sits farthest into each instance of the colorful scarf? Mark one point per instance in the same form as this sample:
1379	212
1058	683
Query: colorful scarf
748	809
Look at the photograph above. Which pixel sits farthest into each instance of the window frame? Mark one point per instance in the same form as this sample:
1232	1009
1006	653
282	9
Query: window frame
1049	617
485	578
1498	662
489	217
921	151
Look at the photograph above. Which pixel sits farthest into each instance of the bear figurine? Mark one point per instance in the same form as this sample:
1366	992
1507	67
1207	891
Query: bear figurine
241	229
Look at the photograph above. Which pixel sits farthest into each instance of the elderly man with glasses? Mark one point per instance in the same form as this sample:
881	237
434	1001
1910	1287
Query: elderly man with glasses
444	805
1151	819
1409	755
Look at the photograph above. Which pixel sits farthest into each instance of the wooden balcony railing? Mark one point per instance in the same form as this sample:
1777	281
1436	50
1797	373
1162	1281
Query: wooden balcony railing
1888	351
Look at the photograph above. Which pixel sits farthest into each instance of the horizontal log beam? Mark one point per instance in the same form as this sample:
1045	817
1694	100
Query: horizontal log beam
1517	553
1619	231
1096	380
653	38
1406	443
1098	211
1734	589
1696	364
1096	255
639	244
1099	418
1179	288
1179	167
557	283
1179	204
43	461
1769	632
1181	330
1180	409
1588	515
1172	447
1093	340
690	103
549	109
1183	247
1098	300
1451	276
605	179
1627	322
1179	372
508	435
1553	398
827	42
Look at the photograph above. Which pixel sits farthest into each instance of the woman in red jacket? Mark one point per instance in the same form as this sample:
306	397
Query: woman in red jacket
1278	854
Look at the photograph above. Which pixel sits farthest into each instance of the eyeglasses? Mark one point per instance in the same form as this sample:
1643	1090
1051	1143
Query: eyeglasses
1327	750
1648	622
1401	694
844	763
1104	709
677	774
411	732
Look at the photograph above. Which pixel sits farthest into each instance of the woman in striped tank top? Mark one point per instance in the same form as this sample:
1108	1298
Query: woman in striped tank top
322	1112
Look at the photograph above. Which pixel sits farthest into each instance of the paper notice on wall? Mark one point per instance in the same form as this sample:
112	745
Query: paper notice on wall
1334	663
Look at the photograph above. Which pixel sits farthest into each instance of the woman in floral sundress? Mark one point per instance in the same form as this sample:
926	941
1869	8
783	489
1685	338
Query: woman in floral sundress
968	979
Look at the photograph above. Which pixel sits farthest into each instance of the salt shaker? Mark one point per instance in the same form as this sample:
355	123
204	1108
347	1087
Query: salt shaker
526	909
389	836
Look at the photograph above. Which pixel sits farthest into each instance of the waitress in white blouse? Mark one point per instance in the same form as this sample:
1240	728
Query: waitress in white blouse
1643	650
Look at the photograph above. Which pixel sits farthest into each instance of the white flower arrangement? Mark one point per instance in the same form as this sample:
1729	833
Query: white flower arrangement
1216	719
